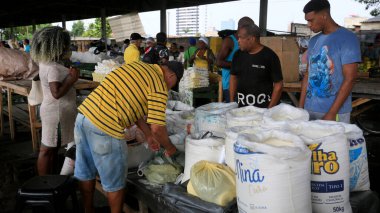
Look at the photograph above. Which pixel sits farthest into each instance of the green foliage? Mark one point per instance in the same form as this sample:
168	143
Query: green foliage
77	29
373	4
22	32
95	29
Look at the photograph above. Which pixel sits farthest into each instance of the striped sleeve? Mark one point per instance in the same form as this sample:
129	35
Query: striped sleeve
156	108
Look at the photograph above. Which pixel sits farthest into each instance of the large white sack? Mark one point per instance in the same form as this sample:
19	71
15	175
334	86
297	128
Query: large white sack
138	153
177	122
231	138
176	106
245	116
359	176
212	117
272	173
277	117
208	149
330	163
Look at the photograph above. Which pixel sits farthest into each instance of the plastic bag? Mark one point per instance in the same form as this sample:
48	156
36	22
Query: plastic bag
212	182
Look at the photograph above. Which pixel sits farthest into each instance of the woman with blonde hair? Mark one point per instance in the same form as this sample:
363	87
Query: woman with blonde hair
50	48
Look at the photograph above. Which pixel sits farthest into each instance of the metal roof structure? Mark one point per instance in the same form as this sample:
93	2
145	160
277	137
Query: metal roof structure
29	12
372	20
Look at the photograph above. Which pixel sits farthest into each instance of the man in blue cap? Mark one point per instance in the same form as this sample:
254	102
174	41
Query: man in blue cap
190	52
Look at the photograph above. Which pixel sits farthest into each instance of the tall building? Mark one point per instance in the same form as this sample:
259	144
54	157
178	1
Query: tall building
187	21
227	25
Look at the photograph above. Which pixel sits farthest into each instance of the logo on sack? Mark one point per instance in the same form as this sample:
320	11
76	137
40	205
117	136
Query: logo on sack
320	160
249	175
356	142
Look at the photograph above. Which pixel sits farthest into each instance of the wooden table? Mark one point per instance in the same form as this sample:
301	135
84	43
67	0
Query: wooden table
22	87
365	89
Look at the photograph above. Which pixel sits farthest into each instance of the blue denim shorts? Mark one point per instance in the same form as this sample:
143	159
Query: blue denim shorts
99	153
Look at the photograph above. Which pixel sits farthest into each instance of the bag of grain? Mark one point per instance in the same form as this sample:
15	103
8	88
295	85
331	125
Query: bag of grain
245	116
272	173
212	117
277	117
330	164
197	149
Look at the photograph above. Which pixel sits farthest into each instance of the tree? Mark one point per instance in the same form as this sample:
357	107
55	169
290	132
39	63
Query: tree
95	29
22	32
375	4
77	29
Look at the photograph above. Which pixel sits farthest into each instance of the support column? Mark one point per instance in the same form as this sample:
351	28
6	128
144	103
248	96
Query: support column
263	17
104	26
33	26
163	16
64	22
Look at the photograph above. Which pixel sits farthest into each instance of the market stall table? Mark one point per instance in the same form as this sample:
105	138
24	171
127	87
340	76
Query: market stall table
22	87
365	89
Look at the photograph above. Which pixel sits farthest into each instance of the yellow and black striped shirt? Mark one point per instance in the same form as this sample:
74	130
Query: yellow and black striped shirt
126	95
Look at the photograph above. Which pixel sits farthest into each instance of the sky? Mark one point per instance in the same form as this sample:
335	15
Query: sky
280	14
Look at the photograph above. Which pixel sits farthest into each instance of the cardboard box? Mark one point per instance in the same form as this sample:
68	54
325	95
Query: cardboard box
287	50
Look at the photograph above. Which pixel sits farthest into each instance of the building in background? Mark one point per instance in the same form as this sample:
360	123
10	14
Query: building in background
300	29
187	21
353	21
371	24
227	25
123	26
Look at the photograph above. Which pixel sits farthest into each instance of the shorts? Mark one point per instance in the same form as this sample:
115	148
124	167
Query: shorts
99	153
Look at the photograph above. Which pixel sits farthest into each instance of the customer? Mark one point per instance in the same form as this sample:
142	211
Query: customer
203	57
132	52
50	47
224	59
26	45
173	52
256	75
149	50
124	98
333	57
190	52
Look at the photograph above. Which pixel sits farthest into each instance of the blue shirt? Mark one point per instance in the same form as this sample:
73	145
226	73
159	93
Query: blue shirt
225	71
27	48
326	56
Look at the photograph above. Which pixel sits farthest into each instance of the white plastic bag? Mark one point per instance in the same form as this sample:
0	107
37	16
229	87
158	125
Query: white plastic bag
36	95
209	149
245	116
330	174
212	117
272	173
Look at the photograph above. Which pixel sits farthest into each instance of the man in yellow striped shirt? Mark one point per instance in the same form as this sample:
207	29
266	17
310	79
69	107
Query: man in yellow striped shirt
124	98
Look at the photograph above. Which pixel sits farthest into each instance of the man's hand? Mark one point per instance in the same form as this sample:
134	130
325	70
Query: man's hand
329	116
153	144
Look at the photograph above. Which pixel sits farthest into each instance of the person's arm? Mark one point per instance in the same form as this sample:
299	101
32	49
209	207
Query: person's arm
59	89
233	87
349	75
276	94
304	83
226	48
160	134
153	143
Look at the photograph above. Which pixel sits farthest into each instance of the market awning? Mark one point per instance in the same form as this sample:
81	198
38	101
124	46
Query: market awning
30	12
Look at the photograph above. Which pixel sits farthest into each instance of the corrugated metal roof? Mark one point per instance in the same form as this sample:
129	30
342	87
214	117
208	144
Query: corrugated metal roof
371	20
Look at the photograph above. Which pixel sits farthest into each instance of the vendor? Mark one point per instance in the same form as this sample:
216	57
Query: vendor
203	57
125	97
50	47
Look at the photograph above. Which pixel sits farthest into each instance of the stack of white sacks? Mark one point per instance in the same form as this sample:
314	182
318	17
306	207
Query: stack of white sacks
194	78
282	161
106	66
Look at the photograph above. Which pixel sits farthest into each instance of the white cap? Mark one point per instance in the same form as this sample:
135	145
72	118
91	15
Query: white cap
204	39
